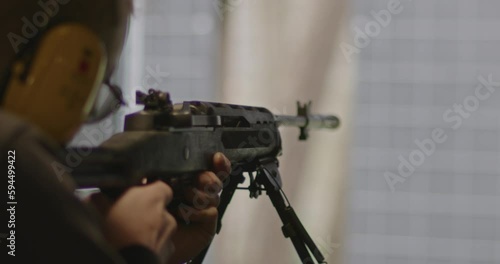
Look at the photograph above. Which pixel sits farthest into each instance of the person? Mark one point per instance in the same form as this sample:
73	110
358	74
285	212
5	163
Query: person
48	223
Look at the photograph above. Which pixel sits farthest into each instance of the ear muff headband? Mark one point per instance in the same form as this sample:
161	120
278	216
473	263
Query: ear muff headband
56	87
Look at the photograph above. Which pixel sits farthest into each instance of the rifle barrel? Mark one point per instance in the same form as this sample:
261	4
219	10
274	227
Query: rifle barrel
311	121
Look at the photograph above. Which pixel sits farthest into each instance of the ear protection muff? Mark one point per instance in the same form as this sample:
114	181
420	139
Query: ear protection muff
55	86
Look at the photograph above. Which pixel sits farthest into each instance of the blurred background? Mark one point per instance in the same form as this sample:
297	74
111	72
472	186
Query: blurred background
430	58
380	189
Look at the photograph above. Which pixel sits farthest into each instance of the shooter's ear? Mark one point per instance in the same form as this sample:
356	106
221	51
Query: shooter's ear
55	87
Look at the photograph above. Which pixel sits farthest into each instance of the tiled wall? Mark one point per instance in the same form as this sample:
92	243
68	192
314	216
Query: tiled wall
426	61
172	45
181	38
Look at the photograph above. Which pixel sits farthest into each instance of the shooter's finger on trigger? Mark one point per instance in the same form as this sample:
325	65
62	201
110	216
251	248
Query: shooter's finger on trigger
201	199
208	181
191	214
159	191
168	228
222	166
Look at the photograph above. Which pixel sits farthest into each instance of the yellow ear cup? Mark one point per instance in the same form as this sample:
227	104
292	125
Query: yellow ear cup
62	81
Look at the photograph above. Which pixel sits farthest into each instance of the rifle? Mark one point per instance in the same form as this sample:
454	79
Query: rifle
174	142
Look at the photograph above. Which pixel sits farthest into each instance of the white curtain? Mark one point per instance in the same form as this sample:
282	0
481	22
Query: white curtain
275	53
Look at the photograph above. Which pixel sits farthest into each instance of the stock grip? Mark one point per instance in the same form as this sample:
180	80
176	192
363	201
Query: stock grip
179	184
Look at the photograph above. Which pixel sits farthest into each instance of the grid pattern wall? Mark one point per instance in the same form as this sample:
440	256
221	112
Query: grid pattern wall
181	47
172	46
425	186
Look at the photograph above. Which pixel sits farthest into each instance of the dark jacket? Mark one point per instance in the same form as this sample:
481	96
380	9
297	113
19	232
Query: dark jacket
50	224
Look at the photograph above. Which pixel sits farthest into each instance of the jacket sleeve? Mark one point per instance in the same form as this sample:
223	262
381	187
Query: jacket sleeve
51	224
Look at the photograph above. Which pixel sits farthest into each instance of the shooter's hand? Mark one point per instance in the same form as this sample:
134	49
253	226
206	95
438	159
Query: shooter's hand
198	212
139	217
